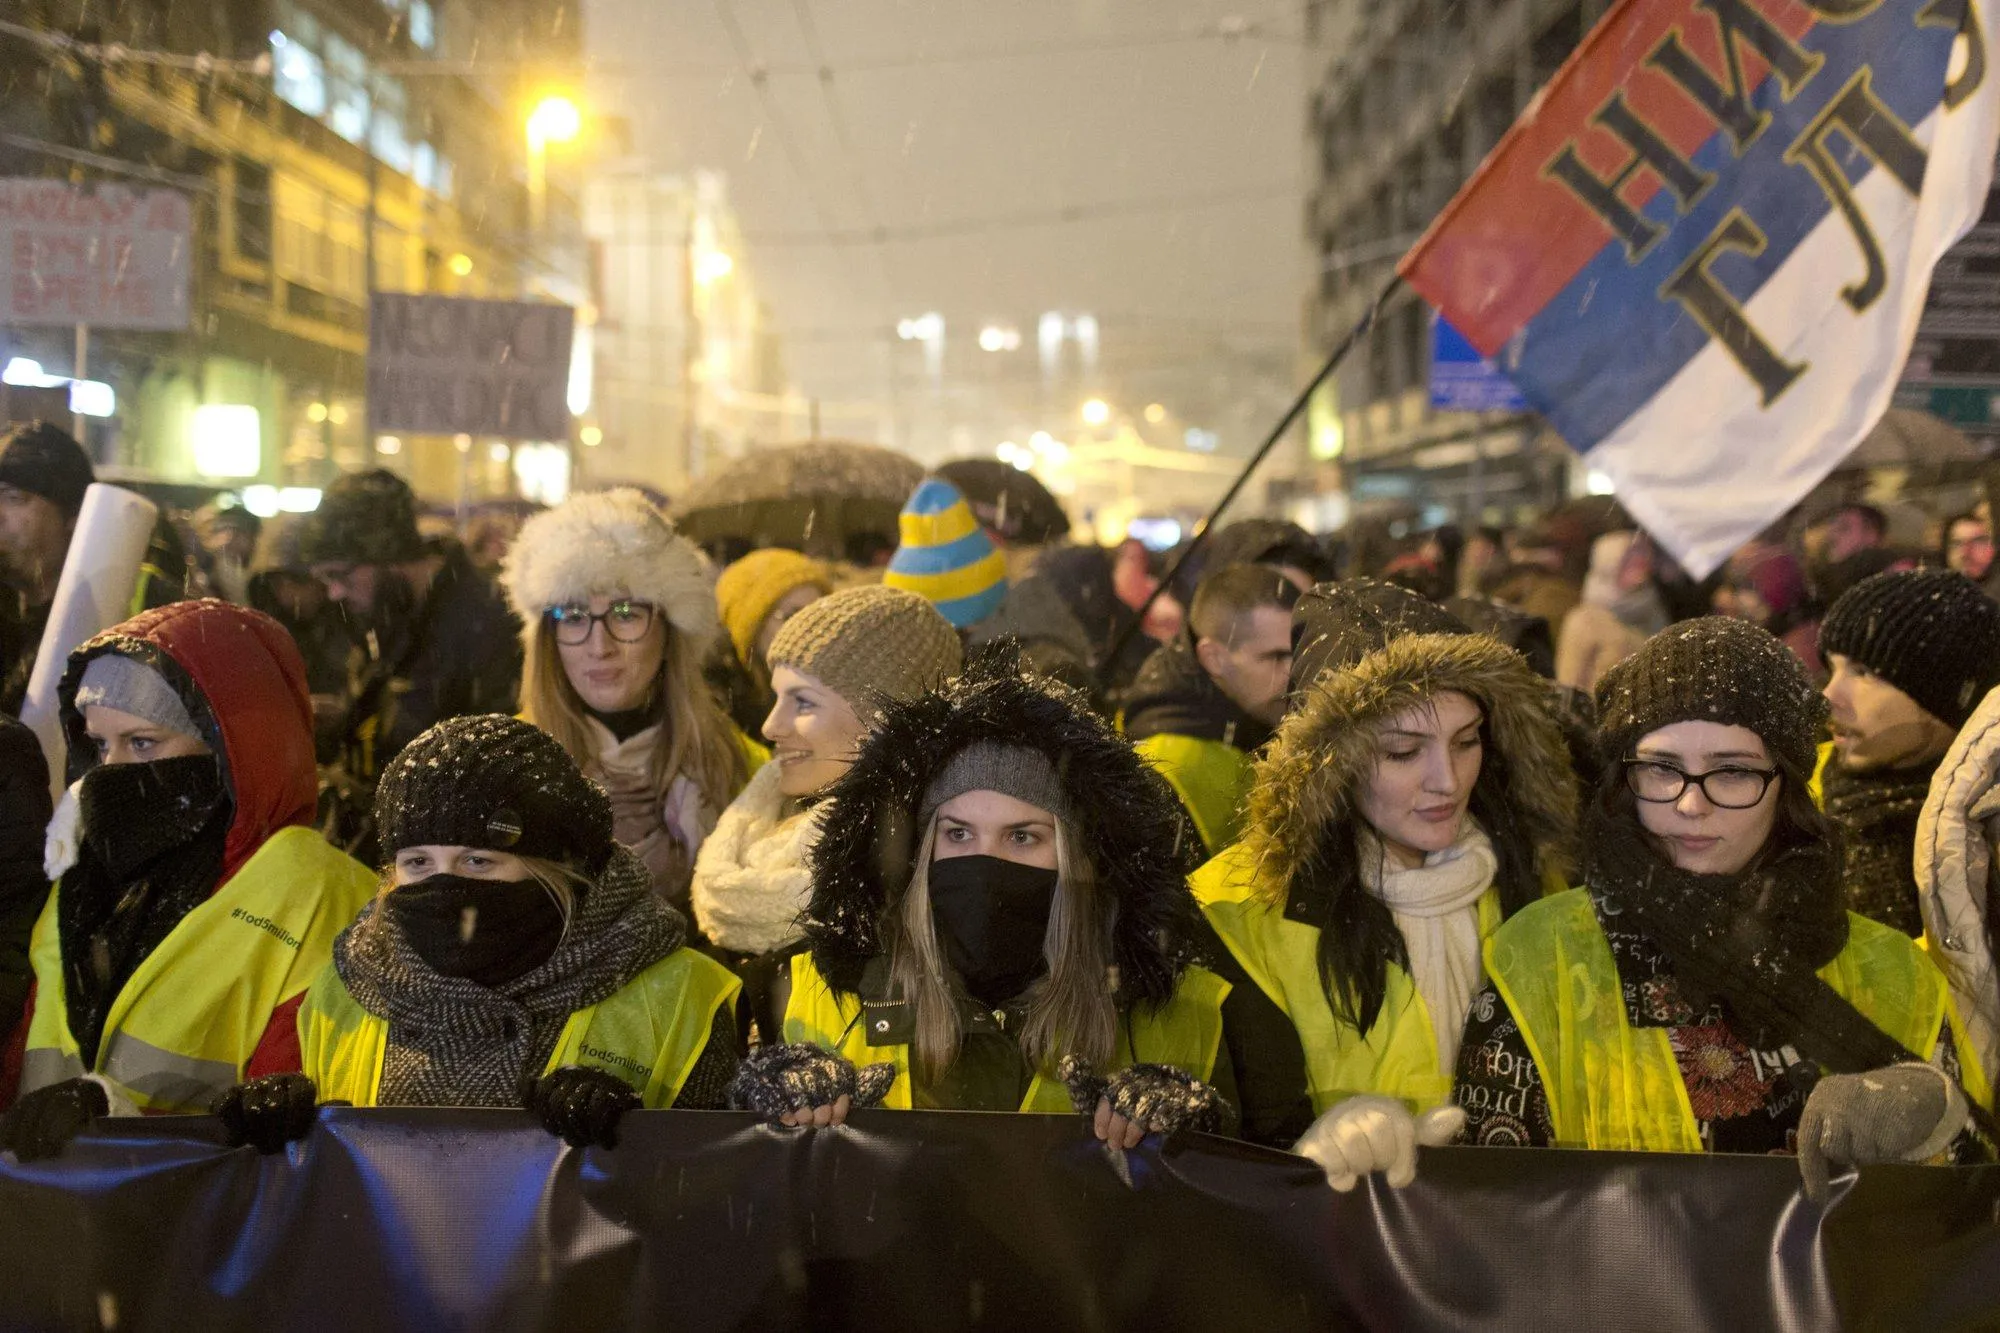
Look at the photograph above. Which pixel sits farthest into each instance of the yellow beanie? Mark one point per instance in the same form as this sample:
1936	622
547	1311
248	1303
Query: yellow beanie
749	589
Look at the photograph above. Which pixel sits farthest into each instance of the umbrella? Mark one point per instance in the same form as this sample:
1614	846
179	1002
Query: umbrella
812	497
1916	440
1011	502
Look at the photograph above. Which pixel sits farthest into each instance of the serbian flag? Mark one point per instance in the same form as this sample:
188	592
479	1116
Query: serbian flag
1703	250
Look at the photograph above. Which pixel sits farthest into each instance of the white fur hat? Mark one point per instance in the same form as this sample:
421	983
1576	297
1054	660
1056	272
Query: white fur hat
610	542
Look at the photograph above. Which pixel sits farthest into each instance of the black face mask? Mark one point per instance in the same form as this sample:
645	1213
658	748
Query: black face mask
133	813
992	916
486	931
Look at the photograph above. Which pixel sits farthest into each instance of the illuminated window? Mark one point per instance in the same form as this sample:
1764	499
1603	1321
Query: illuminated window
297	75
423	25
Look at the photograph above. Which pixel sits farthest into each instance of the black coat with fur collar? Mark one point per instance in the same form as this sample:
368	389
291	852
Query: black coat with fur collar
1124	813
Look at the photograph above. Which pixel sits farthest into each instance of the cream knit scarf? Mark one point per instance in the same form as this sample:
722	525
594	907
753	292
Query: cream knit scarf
1436	906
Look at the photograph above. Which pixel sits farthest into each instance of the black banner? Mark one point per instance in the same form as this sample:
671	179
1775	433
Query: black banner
455	1219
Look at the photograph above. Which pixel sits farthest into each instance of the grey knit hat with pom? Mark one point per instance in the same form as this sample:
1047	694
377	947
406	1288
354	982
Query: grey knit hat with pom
496	783
1714	669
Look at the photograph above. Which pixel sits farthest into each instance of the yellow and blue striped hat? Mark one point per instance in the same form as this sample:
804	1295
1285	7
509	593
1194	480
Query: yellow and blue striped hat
946	557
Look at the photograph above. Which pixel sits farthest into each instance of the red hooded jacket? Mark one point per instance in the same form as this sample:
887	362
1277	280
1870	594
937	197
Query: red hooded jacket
244	683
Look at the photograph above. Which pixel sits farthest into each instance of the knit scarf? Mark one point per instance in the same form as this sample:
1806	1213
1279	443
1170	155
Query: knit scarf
1753	941
1877	813
751	880
453	1042
664	833
1436	906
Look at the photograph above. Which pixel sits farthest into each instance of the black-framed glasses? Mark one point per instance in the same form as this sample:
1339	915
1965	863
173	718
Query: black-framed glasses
1725	788
624	620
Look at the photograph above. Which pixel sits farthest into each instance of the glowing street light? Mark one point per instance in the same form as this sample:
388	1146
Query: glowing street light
713	266
1155	414
555	119
995	338
1096	412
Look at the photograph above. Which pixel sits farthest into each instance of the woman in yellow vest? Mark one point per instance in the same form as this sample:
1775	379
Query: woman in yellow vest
998	913
195	901
1706	990
618	613
1411	801
516	955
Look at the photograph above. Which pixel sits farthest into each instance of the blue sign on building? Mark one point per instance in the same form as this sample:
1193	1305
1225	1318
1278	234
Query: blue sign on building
1464	381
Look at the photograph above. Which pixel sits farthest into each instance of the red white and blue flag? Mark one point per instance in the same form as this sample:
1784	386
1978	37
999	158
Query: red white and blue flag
1703	250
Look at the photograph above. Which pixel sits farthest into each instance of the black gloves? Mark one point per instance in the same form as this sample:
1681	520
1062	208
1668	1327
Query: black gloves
44	1121
268	1112
579	1105
1904	1113
1163	1099
775	1081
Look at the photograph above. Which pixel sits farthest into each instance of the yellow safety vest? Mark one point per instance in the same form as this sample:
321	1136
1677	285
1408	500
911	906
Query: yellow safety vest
1398	1057
190	1017
1613	1086
650	1033
1185	1032
1210	778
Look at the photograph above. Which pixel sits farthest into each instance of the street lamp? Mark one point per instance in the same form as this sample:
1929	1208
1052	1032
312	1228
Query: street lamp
555	119
1096	412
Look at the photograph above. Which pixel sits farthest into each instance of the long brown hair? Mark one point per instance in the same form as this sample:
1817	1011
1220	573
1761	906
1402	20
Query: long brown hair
1071	1011
697	739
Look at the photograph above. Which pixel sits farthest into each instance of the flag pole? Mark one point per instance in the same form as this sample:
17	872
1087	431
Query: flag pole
1292	414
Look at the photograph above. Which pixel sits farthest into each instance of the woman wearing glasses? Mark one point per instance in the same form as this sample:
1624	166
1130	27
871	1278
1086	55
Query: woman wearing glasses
619	611
1706	990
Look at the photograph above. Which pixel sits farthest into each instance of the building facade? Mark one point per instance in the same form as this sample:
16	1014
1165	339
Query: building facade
1408	97
686	369
329	148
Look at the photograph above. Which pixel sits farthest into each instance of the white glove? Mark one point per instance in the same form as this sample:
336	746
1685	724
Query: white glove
1363	1135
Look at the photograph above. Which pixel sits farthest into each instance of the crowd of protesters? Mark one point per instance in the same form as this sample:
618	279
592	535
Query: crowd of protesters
1514	838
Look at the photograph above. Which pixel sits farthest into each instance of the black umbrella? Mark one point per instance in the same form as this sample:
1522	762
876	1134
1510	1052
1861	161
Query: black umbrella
1009	501
814	497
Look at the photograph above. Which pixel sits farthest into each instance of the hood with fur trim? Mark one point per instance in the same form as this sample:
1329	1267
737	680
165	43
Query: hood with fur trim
1311	775
1124	812
610	542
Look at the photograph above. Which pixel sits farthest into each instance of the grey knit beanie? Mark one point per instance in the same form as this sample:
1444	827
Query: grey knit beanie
1714	669
1929	632
112	680
1012	770
870	642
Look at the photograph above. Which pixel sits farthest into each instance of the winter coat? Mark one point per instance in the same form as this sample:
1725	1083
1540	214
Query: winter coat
1197	737
1958	866
1051	639
215	1001
1592	641
1537	592
620	993
461	655
24	887
1260	895
1141	847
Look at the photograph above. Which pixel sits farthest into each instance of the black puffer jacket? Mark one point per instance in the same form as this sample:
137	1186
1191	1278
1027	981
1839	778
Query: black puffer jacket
1124	813
24	815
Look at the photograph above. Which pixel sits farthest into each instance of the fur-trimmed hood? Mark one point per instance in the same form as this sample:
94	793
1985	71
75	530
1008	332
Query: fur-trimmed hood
1312	773
1957	846
1124	812
610	542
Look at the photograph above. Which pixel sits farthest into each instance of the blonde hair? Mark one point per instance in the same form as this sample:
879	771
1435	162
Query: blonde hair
1070	1011
697	738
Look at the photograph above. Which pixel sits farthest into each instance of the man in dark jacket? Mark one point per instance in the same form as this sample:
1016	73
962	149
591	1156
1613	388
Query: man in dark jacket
1205	702
1912	655
24	814
43	475
438	639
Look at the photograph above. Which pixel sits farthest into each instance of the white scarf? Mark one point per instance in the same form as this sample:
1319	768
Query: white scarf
750	878
1436	906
